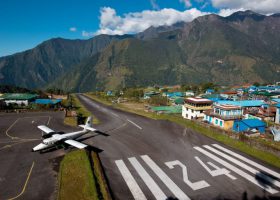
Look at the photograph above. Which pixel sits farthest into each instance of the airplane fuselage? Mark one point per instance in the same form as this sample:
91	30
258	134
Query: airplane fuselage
55	138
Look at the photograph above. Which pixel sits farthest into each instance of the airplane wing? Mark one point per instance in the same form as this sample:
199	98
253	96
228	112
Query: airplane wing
46	129
76	144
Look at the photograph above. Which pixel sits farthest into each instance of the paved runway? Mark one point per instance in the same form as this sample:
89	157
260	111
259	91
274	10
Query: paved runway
151	159
25	174
142	158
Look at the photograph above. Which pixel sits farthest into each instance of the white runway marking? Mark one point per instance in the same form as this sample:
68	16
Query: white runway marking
115	114
130	181
154	188
134	124
269	171
193	185
165	179
236	170
244	166
217	171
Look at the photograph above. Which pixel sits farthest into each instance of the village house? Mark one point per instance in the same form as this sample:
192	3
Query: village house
173	95
189	93
148	95
21	99
232	95
265	113
277	116
251	126
209	91
194	108
223	116
244	104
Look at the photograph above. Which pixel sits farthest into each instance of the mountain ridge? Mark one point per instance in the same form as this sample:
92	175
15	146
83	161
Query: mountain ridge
242	47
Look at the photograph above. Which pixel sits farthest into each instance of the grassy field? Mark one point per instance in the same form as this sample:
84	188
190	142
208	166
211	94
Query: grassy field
76	180
266	156
81	176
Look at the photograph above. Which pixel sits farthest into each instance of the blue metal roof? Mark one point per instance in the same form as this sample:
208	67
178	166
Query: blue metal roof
278	105
245	103
276	100
47	101
174	94
253	122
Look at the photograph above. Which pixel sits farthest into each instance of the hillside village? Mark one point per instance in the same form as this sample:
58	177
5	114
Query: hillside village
250	109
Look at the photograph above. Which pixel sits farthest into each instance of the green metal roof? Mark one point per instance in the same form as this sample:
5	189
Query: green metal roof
179	101
18	96
167	109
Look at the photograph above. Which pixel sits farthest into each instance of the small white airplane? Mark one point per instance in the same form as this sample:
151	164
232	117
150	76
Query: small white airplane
52	138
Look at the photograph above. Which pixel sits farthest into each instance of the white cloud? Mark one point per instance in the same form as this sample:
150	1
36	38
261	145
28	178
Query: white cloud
187	3
261	6
87	34
228	12
154	4
111	23
73	29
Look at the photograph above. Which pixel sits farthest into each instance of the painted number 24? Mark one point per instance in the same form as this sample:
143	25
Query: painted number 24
199	184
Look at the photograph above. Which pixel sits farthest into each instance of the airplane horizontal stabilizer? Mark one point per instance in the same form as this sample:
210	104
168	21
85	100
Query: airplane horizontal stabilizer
87	128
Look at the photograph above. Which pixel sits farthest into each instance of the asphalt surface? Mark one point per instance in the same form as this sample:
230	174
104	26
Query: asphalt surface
142	159
154	159
25	174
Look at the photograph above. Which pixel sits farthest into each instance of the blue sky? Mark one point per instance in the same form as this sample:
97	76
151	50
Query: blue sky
26	23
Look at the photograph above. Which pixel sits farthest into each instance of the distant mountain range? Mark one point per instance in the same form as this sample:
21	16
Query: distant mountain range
243	47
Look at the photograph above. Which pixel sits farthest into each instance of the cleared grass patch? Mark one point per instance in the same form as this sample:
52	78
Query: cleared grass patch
81	175
71	121
76	180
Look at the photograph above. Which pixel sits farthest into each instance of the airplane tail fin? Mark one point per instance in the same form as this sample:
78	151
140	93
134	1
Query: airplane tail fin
88	125
89	122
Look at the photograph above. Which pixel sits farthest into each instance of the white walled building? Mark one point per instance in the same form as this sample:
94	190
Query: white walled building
194	107
277	116
21	99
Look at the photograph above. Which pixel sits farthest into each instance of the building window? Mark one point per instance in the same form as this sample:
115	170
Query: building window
216	121
221	123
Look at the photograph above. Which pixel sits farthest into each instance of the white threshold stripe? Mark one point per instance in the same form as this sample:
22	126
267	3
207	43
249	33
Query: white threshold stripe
130	181
134	124
261	167
153	187
236	170
244	166
165	179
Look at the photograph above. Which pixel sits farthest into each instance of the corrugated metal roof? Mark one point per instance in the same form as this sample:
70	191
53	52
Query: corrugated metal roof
253	122
179	100
276	100
18	96
167	109
47	101
245	103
